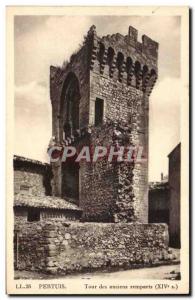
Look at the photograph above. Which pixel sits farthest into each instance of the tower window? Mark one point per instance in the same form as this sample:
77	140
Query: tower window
99	111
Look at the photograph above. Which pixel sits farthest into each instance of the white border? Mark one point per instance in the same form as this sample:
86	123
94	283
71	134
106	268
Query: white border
2	90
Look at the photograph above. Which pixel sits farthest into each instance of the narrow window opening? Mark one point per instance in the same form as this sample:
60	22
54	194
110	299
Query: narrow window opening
137	68
110	56
120	60
99	111
129	64
153	72
145	71
101	52
137	73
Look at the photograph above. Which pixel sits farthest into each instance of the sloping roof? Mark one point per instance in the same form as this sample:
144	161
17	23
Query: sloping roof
158	185
172	151
29	160
23	200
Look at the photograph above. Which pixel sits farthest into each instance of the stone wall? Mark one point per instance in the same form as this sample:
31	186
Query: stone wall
76	69
99	185
106	193
59	247
129	105
29	245
31	177
29	183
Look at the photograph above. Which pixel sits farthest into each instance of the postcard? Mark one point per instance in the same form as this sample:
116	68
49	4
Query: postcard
97	150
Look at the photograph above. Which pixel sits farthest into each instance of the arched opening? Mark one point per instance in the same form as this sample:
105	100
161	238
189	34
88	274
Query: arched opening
137	73
70	105
145	71
119	61
119	64
153	72
129	65
145	77
110	56
153	77
69	120
137	68
101	52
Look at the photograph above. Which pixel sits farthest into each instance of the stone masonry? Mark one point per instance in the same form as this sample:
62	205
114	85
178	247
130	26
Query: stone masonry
109	79
61	248
31	177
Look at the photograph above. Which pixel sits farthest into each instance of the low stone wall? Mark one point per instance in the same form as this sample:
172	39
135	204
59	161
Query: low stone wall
59	247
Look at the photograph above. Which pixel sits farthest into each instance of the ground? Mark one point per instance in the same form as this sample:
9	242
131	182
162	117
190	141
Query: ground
171	272
162	272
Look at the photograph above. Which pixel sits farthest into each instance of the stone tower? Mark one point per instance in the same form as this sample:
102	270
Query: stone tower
105	87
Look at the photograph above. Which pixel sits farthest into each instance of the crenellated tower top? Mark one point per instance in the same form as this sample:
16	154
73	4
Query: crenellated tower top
116	56
134	63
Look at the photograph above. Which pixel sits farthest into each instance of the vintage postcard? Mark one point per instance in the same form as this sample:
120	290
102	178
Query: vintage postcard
98	150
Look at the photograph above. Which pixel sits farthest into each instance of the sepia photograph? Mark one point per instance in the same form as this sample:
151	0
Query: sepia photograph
97	163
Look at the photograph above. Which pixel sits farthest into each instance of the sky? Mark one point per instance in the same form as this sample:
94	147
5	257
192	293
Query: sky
41	41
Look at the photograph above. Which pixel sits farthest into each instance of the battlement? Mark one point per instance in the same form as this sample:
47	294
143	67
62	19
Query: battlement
127	60
118	57
124	44
128	43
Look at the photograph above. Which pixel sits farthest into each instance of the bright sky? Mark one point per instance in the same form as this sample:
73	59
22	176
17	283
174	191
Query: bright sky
41	41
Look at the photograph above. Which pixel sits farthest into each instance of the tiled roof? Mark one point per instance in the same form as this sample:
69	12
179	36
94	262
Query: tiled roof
158	185
24	200
171	153
29	160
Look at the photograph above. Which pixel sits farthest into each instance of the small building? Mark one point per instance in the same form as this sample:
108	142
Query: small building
159	202
32	193
164	198
174	185
35	208
31	177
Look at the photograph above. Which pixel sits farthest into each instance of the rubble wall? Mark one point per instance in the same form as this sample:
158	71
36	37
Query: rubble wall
122	104
106	186
34	181
61	248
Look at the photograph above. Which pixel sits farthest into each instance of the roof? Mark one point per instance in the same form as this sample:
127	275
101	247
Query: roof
158	185
178	145
23	200
29	160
